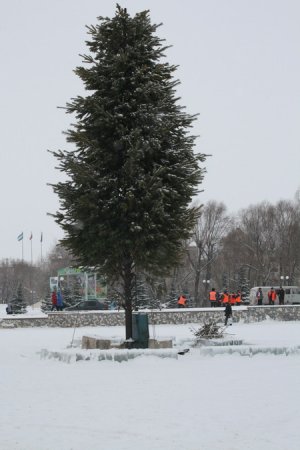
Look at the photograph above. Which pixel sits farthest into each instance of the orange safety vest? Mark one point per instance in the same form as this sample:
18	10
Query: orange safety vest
225	298
272	295
212	296
238	299
232	299
182	301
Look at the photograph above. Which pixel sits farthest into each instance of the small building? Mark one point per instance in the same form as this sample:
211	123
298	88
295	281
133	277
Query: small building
88	284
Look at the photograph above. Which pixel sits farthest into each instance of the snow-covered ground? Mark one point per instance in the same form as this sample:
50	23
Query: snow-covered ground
195	402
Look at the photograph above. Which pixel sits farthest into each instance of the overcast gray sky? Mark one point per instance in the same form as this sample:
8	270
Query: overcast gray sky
239	68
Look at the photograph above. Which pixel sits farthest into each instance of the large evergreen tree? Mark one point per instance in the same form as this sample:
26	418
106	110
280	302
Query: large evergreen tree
133	172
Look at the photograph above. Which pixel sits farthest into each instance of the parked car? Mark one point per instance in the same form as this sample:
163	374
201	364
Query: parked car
88	305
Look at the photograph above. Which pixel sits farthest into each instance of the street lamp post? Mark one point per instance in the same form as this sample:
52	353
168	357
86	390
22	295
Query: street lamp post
284	279
206	284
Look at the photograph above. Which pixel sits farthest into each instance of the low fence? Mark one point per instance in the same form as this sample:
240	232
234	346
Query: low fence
156	317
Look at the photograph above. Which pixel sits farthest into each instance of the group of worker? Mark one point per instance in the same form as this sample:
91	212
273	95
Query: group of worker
217	299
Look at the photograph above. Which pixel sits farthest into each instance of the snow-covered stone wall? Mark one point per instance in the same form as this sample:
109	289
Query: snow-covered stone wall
114	318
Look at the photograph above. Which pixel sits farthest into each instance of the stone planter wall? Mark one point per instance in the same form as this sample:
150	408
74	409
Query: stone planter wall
182	316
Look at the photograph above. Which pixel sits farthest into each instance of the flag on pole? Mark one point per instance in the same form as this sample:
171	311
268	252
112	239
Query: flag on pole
30	237
41	237
20	237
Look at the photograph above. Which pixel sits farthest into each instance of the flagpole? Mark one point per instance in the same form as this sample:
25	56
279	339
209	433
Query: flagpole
31	269
41	247
31	250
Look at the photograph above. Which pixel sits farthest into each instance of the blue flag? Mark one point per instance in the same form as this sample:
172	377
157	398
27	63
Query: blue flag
20	237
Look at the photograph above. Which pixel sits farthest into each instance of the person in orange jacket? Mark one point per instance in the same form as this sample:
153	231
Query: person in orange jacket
238	299
182	301
272	296
225	298
213	298
232	299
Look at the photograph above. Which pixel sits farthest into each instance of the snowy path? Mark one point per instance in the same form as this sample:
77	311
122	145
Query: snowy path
224	402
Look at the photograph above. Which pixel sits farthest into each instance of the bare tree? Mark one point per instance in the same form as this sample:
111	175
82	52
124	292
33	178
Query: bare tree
16	272
258	240
231	258
287	227
212	225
